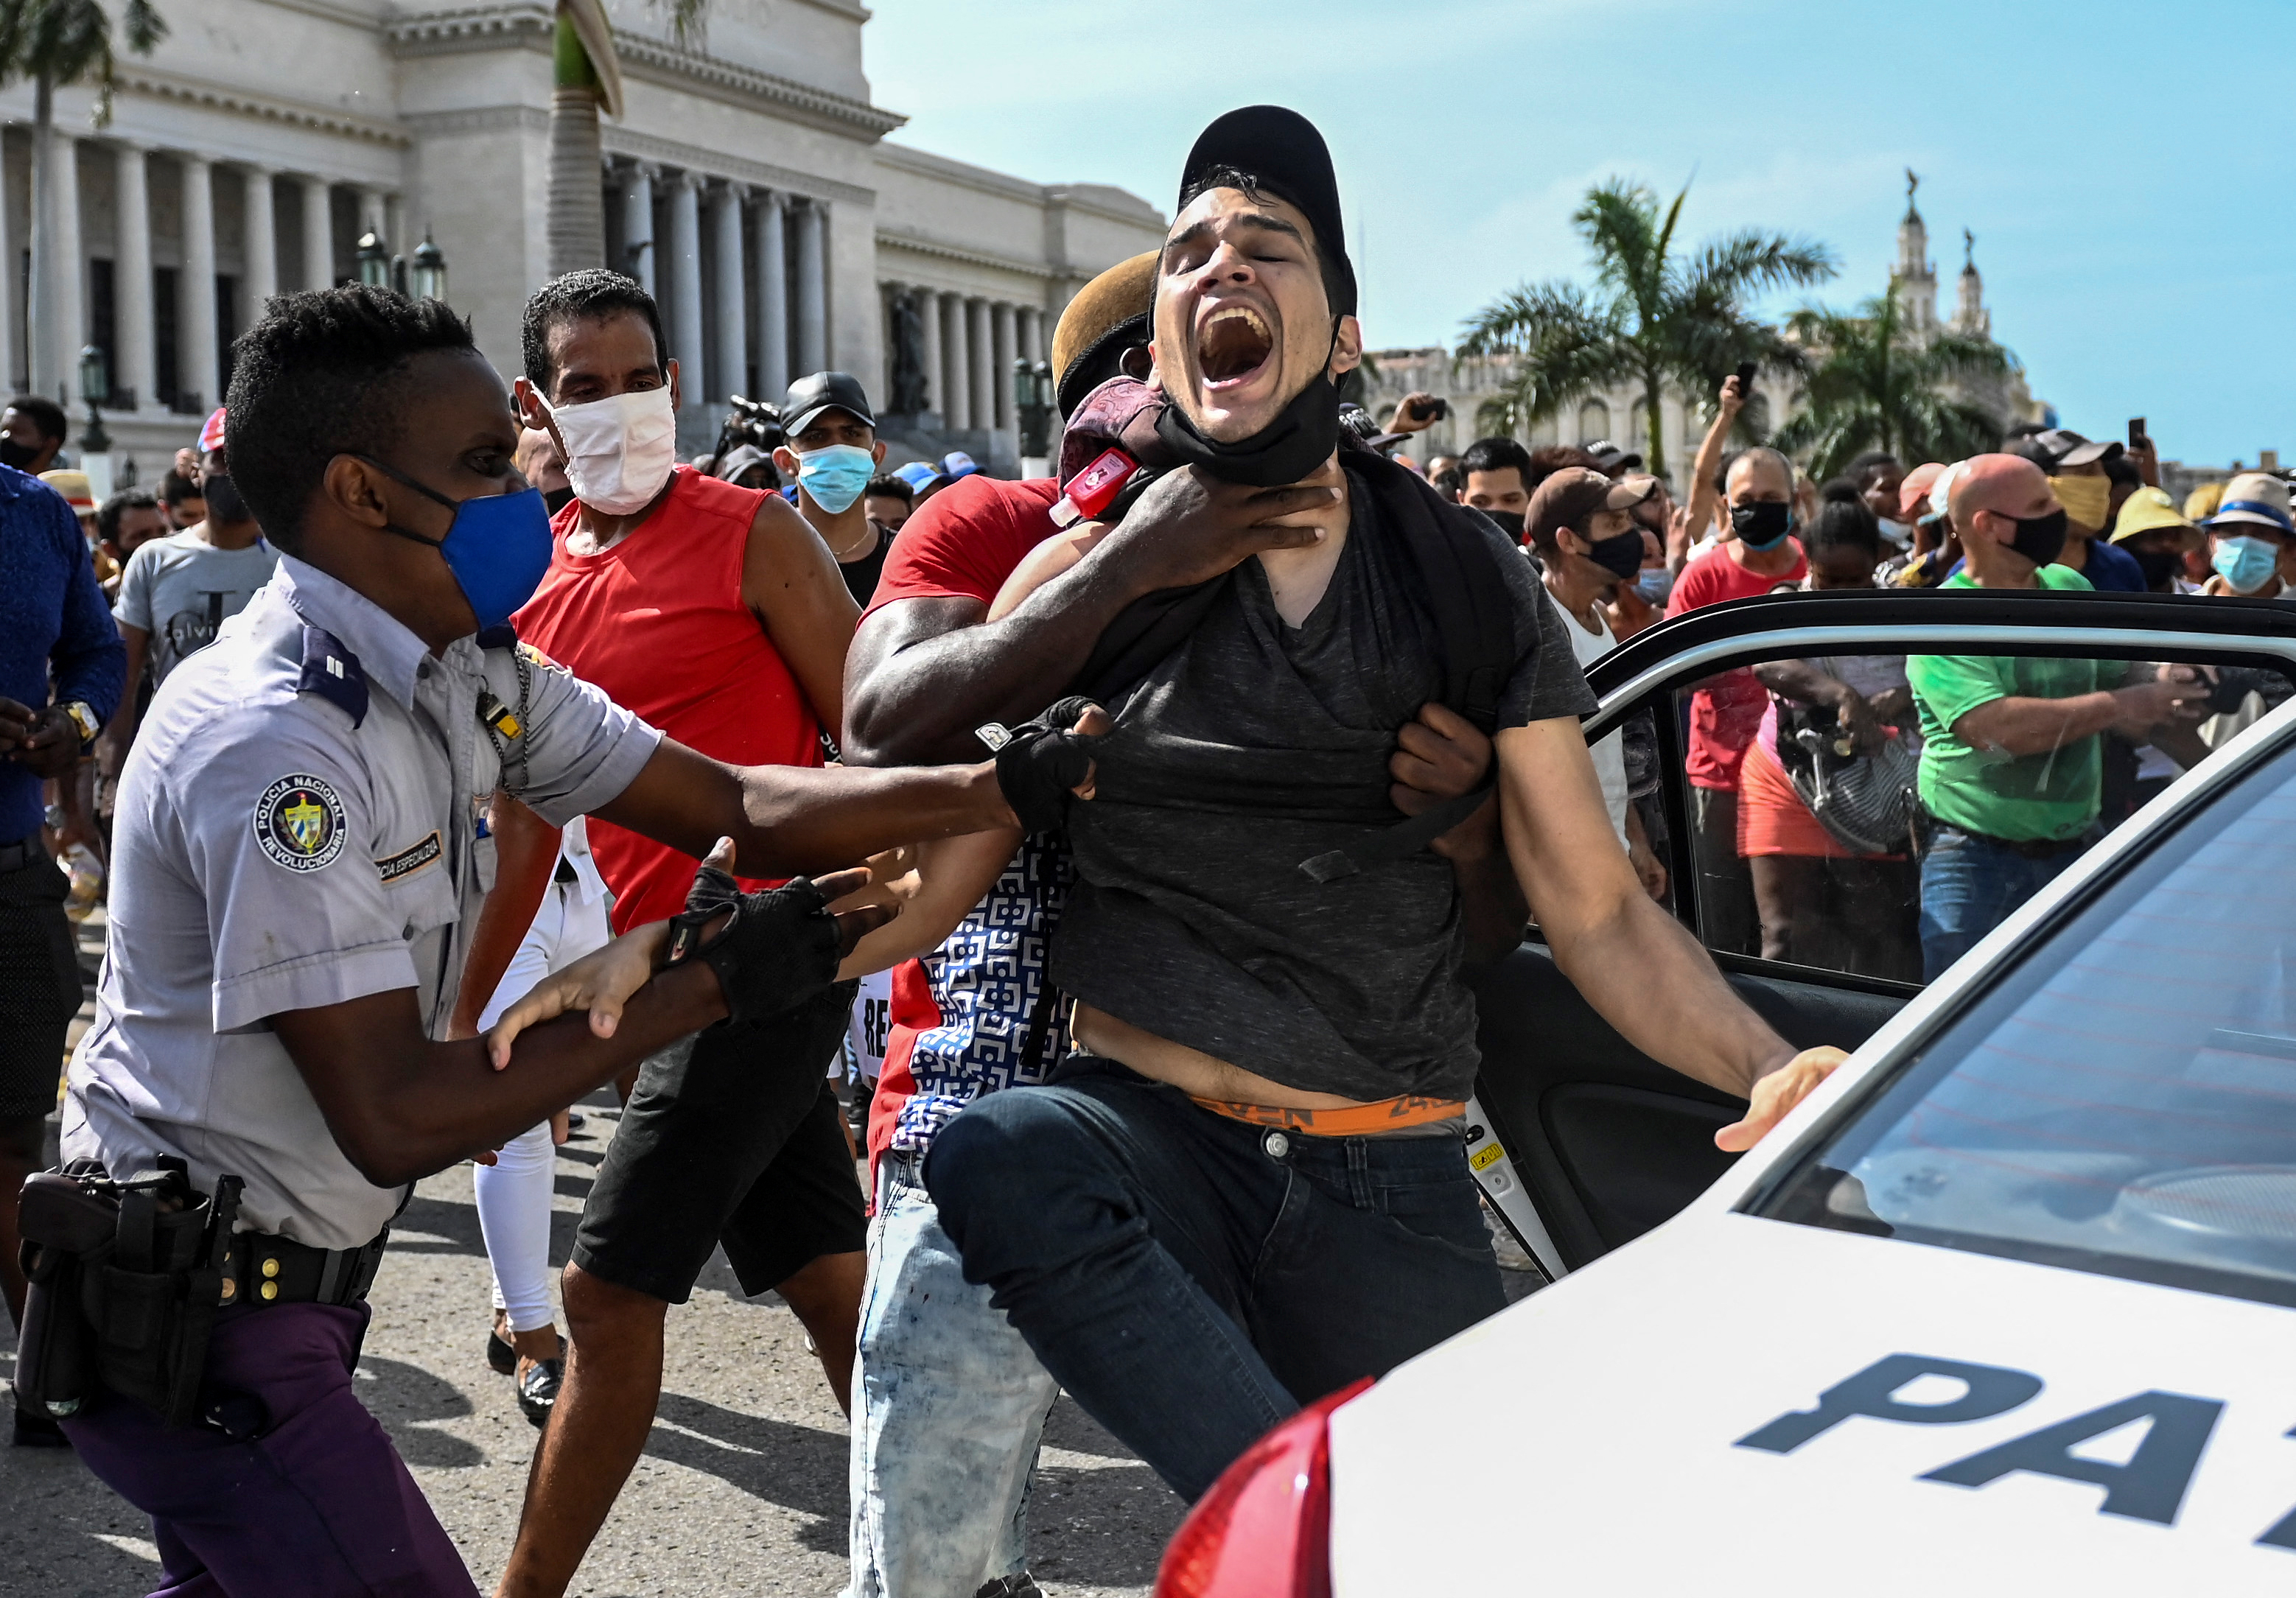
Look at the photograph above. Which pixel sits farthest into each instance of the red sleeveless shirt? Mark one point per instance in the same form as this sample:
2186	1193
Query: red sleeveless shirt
659	623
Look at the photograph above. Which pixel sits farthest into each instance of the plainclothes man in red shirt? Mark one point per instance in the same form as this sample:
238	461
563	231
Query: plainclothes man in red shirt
716	613
1757	555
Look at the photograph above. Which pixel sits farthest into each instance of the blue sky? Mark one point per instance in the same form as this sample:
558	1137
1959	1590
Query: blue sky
2124	167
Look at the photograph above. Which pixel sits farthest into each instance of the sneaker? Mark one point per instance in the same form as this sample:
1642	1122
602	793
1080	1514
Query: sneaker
538	1389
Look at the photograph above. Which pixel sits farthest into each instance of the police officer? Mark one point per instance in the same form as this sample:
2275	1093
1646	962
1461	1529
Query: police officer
300	853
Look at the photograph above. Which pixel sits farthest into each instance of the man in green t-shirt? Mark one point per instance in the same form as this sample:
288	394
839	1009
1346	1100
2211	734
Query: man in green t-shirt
2011	767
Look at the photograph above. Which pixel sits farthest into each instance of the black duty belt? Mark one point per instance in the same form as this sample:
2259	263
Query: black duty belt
17	855
2031	849
262	1269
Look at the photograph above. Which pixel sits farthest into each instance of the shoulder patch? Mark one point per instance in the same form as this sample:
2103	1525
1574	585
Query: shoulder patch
534	656
299	822
333	673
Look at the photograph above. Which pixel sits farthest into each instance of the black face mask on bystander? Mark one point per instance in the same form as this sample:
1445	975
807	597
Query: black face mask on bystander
2040	539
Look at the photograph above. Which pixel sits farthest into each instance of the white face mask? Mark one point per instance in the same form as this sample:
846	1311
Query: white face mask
618	450
1896	532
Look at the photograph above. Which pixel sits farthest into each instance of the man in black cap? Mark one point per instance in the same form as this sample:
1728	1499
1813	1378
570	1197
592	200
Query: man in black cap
1248	1187
833	452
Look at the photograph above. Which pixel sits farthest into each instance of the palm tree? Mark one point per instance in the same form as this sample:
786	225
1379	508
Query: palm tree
586	78
56	42
1651	317
1872	385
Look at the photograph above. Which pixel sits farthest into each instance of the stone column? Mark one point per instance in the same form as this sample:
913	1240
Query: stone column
131	279
732	346
59	316
1028	327
260	281
637	226
812	288
1001	341
982	355
773	296
8	323
196	365
319	232
955	330
685	288
928	304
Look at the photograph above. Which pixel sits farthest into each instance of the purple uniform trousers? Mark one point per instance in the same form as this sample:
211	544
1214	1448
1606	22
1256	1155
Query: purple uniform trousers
320	1505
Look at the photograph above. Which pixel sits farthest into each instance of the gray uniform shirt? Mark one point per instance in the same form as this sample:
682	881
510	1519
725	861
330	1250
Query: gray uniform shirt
181	589
300	823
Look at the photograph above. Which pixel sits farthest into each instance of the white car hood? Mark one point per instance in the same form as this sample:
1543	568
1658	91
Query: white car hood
1585	1441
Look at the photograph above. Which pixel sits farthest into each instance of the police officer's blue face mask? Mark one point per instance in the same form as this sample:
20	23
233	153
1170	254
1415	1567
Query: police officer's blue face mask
833	477
498	547
2245	562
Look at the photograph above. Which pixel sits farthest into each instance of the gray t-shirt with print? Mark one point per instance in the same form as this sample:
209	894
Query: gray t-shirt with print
181	588
1192	918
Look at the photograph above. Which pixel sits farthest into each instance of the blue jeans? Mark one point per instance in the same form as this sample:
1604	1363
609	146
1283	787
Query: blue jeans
1193	1280
1969	885
948	1406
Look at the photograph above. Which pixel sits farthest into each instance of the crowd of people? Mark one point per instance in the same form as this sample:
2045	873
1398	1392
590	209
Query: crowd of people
1132	836
1880	814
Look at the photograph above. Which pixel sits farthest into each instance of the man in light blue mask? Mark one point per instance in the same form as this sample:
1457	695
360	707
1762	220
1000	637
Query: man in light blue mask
833	452
2252	541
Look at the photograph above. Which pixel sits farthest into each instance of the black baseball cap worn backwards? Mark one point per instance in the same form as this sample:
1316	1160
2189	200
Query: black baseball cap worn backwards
1283	150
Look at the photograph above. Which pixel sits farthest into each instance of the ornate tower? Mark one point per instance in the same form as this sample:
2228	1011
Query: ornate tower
1971	316
1917	279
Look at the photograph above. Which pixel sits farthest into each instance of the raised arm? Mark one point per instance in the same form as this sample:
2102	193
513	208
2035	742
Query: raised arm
2018	725
1704	494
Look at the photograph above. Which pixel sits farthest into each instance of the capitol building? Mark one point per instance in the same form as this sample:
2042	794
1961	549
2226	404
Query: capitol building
748	182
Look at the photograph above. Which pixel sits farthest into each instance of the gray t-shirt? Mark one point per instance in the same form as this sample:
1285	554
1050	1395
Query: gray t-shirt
181	588
1192	918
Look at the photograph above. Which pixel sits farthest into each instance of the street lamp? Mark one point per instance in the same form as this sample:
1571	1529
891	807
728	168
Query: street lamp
373	261
95	444
430	270
1032	401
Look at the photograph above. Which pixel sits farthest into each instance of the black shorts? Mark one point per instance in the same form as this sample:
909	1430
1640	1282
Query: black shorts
734	1136
39	987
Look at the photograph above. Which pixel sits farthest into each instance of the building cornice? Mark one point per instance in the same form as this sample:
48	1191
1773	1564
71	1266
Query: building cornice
134	78
918	244
941	169
621	142
332	11
524	24
481	119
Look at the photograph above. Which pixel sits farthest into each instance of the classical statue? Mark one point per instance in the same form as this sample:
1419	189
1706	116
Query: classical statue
910	397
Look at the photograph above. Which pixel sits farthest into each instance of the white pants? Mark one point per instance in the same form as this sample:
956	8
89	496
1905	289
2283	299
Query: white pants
514	1193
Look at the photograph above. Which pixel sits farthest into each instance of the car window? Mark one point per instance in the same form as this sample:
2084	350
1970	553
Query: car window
1877	814
2125	1101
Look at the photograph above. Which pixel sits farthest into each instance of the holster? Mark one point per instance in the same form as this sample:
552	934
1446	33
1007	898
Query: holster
124	1279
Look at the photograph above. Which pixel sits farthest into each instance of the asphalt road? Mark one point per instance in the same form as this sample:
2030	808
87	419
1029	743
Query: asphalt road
742	1489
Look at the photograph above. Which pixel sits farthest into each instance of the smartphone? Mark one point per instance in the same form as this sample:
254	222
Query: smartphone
2136	432
1746	379
1431	410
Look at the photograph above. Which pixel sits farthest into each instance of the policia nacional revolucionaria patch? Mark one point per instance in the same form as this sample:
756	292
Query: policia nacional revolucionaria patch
298	822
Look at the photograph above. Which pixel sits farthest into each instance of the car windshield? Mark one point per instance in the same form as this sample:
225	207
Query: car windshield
2123	1102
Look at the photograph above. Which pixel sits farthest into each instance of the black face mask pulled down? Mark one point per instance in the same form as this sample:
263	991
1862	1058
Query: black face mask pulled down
1299	440
19	456
2040	539
224	505
1621	555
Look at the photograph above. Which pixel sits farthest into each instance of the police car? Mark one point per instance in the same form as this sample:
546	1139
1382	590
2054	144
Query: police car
2008	1306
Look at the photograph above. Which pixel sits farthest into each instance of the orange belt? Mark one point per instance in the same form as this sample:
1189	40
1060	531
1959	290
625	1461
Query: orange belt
1357	1121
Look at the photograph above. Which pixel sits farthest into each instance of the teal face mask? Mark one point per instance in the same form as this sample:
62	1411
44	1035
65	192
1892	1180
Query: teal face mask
833	477
2246	564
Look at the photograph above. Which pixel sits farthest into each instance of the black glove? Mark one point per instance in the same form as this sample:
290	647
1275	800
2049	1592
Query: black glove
779	950
1039	761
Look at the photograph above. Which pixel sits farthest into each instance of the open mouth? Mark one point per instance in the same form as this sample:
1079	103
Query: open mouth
1232	345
